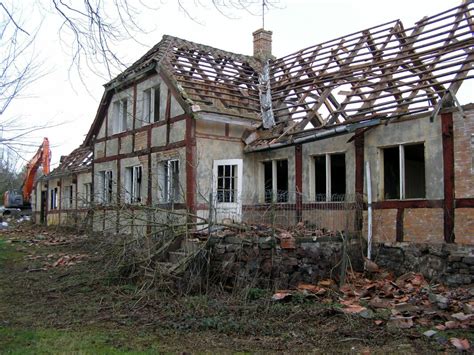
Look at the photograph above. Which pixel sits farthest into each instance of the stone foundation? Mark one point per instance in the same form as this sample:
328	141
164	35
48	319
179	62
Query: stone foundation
279	263
450	264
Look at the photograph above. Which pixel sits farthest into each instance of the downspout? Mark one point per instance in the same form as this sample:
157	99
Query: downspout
369	211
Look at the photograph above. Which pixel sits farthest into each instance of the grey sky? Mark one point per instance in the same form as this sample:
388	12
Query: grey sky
61	97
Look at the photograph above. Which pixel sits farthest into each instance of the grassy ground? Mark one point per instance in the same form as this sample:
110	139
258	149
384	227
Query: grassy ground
80	309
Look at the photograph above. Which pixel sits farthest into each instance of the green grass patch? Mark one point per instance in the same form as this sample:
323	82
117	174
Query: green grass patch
50	341
8	253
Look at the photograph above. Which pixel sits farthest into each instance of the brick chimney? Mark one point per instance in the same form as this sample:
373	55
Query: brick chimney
262	44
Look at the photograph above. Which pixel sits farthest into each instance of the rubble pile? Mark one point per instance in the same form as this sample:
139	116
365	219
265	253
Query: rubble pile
397	302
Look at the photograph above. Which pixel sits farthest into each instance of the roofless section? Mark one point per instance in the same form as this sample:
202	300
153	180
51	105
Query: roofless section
380	73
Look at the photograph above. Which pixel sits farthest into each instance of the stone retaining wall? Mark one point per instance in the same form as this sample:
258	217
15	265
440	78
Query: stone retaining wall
451	264
283	261
279	262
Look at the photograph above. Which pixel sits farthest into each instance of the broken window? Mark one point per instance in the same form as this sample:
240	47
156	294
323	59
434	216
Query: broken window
168	176
151	105
119	121
275	174
226	183
330	177
133	184
105	186
404	172
68	196
54	199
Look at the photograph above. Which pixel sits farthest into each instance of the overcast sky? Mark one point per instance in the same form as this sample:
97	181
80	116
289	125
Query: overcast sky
60	96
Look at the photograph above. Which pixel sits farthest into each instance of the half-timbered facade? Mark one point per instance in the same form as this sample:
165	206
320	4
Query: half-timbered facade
203	129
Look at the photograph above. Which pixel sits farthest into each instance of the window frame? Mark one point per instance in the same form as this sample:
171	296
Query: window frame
119	116
237	203
275	196
151	106
106	186
54	199
402	172
328	176
134	184
87	194
68	196
167	191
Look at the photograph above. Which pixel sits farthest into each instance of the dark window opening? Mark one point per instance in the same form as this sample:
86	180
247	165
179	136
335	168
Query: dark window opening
124	115
338	177
282	180
415	171
320	180
156	108
268	180
391	171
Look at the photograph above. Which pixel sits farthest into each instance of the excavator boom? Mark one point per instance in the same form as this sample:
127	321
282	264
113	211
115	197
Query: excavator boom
42	157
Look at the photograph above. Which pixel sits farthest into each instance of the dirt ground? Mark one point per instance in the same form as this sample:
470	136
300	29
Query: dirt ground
57	296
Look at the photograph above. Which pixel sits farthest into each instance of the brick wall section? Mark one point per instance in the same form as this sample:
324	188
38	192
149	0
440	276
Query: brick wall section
384	225
464	225
423	225
140	140
463	155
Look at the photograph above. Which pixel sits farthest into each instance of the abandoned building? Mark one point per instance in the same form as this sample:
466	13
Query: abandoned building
193	128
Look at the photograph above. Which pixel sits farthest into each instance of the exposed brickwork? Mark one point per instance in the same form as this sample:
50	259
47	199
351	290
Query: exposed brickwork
384	225
423	225
463	155
262	44
464	225
141	140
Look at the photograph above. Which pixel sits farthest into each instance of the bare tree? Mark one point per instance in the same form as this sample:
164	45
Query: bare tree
91	30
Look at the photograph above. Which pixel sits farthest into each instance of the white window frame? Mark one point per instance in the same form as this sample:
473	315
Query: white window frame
148	113
328	157
54	199
237	204
401	162
87	194
68	196
133	184
119	116
166	189
105	189
274	180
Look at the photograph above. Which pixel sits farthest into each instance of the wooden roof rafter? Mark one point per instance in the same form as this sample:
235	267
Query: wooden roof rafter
385	71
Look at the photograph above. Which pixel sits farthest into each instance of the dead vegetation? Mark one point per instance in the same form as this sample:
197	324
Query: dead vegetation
78	285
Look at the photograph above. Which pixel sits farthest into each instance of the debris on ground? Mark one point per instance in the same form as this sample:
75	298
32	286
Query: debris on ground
397	302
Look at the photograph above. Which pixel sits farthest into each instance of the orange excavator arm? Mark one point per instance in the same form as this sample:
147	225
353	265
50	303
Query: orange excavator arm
42	157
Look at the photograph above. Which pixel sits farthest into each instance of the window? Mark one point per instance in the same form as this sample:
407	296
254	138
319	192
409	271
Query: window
68	196
87	194
226	183
151	105
275	180
119	123
54	199
404	172
133	184
106	186
168	176
330	177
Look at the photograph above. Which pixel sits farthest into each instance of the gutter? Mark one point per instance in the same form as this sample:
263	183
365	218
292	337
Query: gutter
336	131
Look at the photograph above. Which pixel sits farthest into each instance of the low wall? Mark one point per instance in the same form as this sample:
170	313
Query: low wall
451	264
279	263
